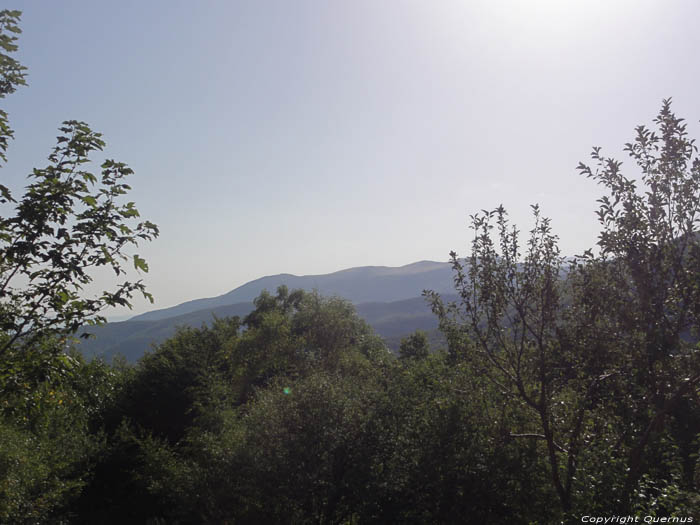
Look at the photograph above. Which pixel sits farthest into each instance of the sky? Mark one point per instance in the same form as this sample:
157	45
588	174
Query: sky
307	137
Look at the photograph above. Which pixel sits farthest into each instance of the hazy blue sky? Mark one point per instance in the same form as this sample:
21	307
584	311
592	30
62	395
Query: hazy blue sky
307	137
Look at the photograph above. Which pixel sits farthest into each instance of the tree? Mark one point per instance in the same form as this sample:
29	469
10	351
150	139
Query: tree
68	223
183	381
601	354
292	333
510	304
12	75
415	346
650	255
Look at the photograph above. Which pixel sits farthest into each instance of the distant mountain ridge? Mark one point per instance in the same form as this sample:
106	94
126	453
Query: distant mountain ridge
363	284
388	298
391	320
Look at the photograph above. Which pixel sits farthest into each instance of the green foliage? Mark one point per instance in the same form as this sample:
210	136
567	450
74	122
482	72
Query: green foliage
309	453
181	383
185	423
325	431
49	431
65	225
29	486
12	75
292	333
68	223
415	346
600	356
650	259
132	467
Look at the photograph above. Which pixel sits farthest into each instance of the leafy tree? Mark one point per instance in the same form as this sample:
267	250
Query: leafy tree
12	75
650	257
601	355
512	307
183	382
293	333
64	227
415	346
68	222
442	451
49	434
310	457
182	434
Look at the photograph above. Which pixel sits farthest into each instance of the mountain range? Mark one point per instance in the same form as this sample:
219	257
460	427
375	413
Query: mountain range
388	298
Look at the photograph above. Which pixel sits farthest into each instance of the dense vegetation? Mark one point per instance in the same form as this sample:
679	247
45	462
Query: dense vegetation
565	388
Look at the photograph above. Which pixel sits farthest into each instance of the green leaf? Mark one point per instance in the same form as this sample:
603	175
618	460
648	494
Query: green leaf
90	201
140	264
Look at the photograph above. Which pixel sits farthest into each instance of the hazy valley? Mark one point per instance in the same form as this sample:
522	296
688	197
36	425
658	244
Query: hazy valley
389	299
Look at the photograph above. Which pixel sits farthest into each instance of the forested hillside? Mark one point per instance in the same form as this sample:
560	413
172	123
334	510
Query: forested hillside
131	339
564	390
